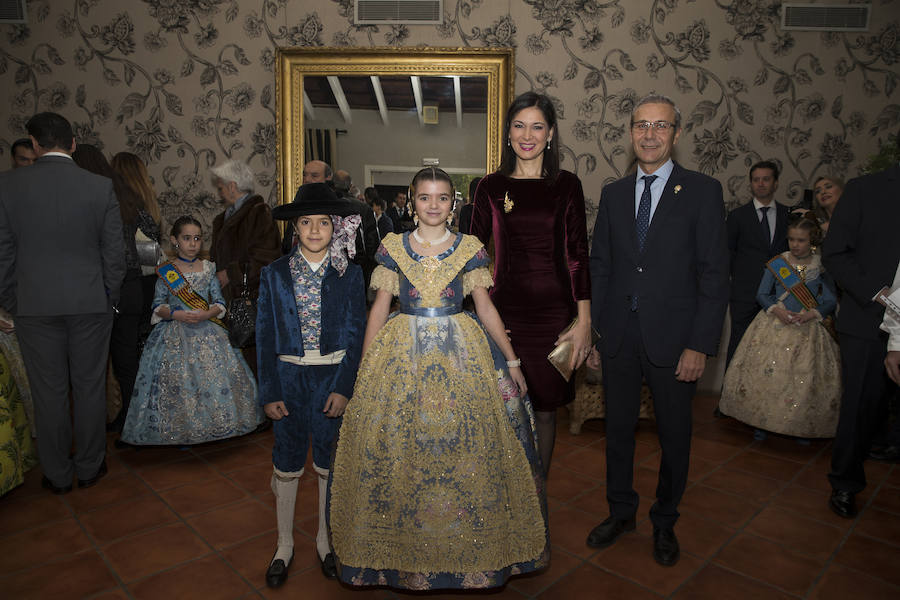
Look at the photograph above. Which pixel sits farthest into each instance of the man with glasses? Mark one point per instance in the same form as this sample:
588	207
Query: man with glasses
659	270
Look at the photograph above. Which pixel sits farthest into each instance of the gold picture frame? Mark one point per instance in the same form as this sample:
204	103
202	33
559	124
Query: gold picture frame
293	64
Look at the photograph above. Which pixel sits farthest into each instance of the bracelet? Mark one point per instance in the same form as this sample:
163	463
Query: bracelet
517	362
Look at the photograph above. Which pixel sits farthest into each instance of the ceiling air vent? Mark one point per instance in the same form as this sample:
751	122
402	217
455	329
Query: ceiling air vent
412	12
13	11
825	17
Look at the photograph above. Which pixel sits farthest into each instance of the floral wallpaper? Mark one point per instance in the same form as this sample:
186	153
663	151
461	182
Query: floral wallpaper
186	84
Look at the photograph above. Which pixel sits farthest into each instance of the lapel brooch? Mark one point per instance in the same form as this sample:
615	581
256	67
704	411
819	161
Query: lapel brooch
507	203
677	188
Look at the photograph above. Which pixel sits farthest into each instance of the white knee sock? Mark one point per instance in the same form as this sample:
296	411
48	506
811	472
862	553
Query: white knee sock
284	486
322	546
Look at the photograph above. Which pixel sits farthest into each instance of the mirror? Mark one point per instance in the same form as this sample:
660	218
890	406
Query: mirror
383	113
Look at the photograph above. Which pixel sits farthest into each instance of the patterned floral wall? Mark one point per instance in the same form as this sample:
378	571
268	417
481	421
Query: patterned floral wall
189	83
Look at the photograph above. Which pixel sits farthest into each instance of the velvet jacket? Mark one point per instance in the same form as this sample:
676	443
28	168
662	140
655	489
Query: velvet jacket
278	328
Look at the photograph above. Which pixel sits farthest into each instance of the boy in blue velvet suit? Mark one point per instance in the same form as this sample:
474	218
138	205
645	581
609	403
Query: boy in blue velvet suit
309	333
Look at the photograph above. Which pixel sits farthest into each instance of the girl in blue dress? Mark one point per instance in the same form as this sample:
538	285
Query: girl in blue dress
436	481
192	386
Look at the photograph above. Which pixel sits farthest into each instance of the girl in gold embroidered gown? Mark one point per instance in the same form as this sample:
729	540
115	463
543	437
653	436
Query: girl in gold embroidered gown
785	376
436	481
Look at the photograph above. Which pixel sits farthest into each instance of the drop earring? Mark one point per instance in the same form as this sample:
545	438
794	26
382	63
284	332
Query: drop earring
508	143
416	219
548	144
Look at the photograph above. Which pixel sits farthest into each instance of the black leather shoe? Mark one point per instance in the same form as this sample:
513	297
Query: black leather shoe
843	503
86	483
665	547
277	572
606	533
59	491
329	569
885	453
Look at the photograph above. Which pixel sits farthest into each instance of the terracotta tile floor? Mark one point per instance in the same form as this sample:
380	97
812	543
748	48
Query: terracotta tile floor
198	523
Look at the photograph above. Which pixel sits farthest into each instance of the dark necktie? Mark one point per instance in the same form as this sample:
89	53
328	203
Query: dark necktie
642	221
764	221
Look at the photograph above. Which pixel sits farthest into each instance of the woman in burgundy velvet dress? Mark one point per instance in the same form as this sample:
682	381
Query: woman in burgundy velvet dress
535	213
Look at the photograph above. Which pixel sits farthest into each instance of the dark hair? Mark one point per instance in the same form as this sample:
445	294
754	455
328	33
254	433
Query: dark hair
50	130
20	143
766	164
380	202
550	156
431	174
371	194
89	158
181	221
807	222
473	185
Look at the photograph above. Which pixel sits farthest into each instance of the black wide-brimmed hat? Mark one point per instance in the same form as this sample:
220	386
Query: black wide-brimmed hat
315	199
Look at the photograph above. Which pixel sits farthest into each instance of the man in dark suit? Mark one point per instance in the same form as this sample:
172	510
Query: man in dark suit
659	271
385	225
757	231
62	262
861	253
400	214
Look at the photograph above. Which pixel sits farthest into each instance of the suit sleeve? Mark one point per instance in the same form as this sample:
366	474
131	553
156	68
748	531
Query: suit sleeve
7	259
112	246
890	323
601	258
733	230
356	325
839	250
577	244
482	226
266	359
712	272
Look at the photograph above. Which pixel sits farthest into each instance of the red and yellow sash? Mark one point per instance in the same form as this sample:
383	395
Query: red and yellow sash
179	286
787	275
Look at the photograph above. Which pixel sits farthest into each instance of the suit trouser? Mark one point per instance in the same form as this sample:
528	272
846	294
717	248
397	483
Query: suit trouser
56	350
863	408
742	314
622	378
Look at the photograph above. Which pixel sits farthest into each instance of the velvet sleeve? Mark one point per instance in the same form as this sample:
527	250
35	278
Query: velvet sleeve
355	322
482	220
266	357
577	243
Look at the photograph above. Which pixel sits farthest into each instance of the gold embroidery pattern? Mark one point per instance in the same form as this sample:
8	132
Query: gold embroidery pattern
385	279
480	277
430	276
429	474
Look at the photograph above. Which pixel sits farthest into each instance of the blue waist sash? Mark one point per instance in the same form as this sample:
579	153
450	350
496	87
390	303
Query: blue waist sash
440	311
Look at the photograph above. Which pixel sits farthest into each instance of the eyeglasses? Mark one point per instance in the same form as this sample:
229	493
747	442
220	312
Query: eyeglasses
644	126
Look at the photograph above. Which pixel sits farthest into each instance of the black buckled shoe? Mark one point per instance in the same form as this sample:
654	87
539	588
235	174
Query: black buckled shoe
277	572
606	533
86	483
843	503
665	547
58	490
329	568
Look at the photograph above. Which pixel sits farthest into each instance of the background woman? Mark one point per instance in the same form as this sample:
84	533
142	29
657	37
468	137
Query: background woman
244	237
124	344
535	213
827	191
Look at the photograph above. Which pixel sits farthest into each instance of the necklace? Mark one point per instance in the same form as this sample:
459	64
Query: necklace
429	244
187	260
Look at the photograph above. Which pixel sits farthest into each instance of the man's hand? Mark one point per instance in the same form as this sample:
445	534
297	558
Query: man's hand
892	364
690	365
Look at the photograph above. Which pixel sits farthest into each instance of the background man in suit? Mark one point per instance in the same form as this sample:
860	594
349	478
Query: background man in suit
400	214
659	271
62	262
757	231
861	253
22	153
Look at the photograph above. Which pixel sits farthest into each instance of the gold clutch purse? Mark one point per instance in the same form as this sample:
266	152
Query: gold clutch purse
561	356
